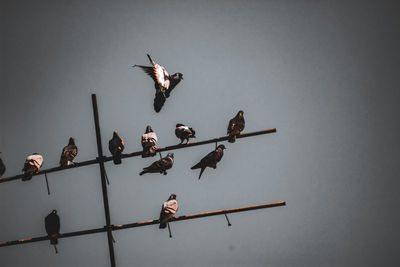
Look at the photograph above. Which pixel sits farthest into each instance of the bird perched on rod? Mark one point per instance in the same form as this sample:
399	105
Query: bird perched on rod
32	165
116	145
52	224
149	141
184	132
163	82
168	210
210	160
160	166
69	153
236	125
2	167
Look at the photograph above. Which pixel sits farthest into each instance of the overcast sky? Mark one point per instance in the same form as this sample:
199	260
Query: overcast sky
324	73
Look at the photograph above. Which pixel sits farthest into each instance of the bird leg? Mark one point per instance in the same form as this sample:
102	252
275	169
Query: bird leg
47	183
216	145
229	223
160	155
169	230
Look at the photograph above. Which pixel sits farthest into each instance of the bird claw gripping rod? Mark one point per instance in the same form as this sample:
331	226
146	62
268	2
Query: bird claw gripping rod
139	153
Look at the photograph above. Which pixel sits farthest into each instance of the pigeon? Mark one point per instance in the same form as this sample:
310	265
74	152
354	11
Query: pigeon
163	82
52	224
184	132
160	166
68	153
149	141
116	146
210	160
2	167
168	210
32	166
236	125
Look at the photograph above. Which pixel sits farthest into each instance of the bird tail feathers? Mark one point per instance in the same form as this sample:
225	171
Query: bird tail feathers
197	166
232	139
117	158
201	172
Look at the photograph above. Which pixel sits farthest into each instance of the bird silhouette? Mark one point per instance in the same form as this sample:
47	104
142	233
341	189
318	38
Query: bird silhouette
2	167
160	166
236	125
163	82
149	141
184	132
116	145
69	153
52	225
168	210
32	166
210	160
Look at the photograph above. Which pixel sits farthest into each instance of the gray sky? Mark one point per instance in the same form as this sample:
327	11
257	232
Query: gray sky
324	74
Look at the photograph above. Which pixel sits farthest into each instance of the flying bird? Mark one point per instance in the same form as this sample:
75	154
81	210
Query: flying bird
149	141
236	125
160	166
116	146
184	132
52	224
69	153
168	210
210	160
163	82
32	165
2	167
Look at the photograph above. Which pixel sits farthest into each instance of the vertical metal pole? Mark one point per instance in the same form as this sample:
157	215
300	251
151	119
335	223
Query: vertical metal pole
103	180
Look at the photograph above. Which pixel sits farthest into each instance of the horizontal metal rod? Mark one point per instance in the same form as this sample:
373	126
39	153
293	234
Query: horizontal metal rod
145	223
138	153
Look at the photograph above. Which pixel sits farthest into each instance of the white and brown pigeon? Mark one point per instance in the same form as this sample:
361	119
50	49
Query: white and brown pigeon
52	225
116	145
163	82
149	141
236	125
160	166
69	153
210	160
32	166
168	210
2	167
184	132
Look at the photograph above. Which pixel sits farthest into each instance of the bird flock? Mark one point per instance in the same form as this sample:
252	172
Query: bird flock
164	84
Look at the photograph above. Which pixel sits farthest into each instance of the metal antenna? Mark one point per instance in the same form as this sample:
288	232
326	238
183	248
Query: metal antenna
169	230
229	223
47	183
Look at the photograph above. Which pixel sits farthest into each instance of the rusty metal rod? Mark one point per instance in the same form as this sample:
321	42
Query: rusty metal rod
144	223
138	153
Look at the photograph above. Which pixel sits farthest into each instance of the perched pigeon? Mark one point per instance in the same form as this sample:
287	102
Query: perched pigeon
52	224
2	167
116	146
149	141
236	125
163	82
210	160
32	165
69	153
160	166
184	132
168	210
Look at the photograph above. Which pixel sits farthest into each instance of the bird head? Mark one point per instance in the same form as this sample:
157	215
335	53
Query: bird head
240	113
54	211
71	141
221	147
179	125
149	129
177	76
115	134
35	153
172	196
170	155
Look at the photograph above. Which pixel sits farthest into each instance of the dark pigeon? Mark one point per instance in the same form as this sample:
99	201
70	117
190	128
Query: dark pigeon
149	141
32	166
116	145
69	153
236	125
168	210
210	160
160	166
52	224
163	82
2	167
184	132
